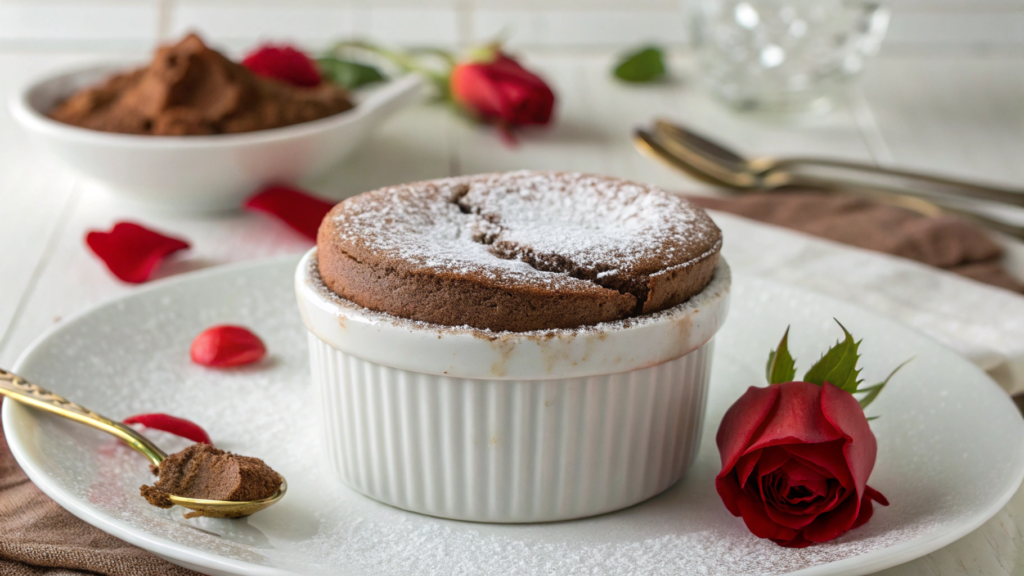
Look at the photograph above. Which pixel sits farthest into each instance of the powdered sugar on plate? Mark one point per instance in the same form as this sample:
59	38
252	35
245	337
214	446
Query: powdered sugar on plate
950	446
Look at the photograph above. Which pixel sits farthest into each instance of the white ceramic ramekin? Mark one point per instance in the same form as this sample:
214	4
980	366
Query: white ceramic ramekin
200	173
510	427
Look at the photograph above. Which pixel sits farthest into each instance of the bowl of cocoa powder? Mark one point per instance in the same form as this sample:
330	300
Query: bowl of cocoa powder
193	131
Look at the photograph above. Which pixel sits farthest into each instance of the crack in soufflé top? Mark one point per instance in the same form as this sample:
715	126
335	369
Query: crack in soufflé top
517	251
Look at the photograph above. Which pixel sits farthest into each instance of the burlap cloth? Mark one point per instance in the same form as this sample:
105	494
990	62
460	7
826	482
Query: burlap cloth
39	537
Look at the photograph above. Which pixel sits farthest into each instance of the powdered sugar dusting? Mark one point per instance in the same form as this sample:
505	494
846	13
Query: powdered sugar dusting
132	356
528	227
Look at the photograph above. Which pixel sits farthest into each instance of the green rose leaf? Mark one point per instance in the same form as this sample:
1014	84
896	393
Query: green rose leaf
644	65
347	73
781	366
873	391
838	366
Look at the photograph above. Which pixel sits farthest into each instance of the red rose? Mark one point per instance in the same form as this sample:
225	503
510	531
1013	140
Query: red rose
283	63
502	91
796	458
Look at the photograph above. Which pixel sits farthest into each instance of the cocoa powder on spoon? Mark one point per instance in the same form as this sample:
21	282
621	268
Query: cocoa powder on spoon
204	472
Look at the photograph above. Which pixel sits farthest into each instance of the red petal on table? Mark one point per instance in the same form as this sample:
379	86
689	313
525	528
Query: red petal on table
284	63
224	346
294	207
173	424
132	252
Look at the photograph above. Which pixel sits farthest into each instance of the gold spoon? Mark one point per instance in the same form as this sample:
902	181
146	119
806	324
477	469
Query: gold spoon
17	388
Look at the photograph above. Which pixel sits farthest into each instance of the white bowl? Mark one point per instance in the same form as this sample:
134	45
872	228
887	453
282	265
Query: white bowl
200	173
510	427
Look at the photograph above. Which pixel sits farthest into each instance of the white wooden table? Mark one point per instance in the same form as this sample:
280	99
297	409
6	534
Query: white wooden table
954	113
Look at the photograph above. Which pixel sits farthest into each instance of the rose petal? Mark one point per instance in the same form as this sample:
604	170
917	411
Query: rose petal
224	346
835	494
798	473
292	206
843	411
758	521
475	90
875	495
283	62
795	521
730	492
834	523
771	459
797	541
829	456
797	418
746	465
866	508
173	424
800	487
741	422
132	252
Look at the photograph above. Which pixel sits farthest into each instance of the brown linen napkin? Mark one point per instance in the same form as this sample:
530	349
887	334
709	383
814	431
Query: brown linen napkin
945	242
38	537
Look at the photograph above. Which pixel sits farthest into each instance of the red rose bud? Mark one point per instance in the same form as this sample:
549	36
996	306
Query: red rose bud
172	424
795	462
501	91
284	63
294	207
131	251
225	346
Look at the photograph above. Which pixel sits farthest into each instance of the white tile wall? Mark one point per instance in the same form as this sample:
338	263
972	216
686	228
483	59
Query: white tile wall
565	28
975	27
238	26
114	24
410	26
555	24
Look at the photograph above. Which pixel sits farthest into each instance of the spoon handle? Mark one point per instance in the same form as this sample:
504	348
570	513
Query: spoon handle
948	184
17	388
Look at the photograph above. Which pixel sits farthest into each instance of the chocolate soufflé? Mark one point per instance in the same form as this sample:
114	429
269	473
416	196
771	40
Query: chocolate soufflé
188	90
517	252
204	472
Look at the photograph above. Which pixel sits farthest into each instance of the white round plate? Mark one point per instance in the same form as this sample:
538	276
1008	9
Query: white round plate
951	447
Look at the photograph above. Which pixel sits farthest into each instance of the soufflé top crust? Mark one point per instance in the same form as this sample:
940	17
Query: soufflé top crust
518	251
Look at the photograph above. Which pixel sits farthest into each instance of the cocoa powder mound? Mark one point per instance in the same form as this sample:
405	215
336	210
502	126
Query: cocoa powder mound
204	472
189	89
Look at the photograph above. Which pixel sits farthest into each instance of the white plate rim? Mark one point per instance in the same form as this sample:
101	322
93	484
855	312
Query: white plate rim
159	546
11	412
